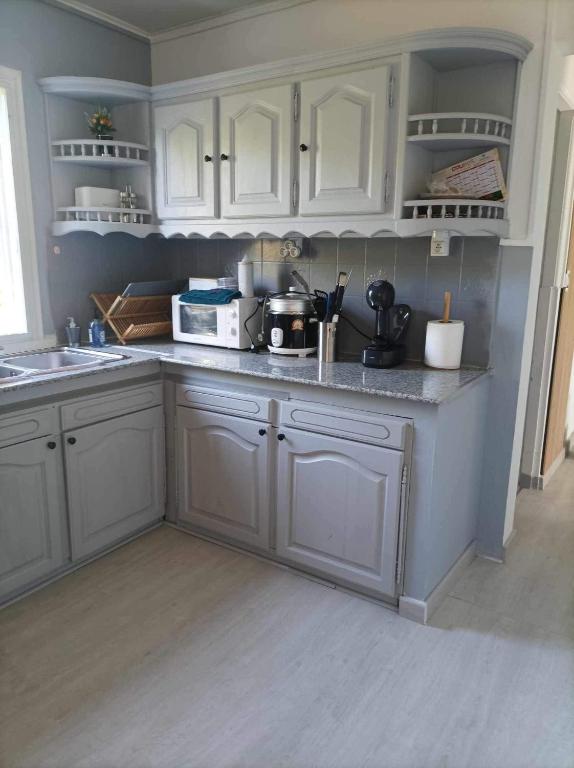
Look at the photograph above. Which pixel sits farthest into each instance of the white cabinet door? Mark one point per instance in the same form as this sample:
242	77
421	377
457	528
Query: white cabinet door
223	475
185	162
343	138
256	130
115	477
338	508
32	513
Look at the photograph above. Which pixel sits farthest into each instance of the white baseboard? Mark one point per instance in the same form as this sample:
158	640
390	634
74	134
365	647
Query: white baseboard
421	610
556	464
415	610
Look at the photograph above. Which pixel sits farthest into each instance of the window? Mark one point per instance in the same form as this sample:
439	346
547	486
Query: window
19	301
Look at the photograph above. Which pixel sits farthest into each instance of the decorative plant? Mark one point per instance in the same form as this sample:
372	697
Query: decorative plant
100	122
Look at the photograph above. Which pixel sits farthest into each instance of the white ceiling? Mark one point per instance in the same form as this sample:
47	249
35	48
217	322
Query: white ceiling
150	17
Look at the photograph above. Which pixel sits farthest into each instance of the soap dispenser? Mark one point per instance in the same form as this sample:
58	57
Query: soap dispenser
97	332
72	332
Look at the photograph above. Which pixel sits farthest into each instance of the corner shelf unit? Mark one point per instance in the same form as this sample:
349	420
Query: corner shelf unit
459	130
115	163
99	153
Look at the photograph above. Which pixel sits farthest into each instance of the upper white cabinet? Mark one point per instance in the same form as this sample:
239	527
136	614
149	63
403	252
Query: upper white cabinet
184	146
256	140
333	143
343	139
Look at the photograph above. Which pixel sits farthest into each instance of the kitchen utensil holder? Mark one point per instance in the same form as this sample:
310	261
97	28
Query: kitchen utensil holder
327	342
135	317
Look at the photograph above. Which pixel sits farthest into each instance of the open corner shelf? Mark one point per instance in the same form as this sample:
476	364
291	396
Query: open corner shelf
443	131
99	153
96	90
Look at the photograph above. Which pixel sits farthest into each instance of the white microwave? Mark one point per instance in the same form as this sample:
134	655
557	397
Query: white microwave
219	325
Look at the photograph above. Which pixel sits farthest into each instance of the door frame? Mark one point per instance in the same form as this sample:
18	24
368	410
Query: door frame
552	282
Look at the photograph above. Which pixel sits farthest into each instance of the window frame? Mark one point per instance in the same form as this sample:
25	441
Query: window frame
11	82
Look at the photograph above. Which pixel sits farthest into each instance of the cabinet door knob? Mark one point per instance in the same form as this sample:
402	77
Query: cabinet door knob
280	436
262	432
71	440
208	158
224	157
303	147
51	445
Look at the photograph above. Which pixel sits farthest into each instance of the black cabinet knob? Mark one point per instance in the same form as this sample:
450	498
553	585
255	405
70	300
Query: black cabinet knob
51	445
71	441
280	436
303	147
224	157
208	158
262	432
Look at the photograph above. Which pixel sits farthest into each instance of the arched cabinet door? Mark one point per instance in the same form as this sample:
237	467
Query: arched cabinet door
343	141
223	475
256	152
338	508
32	513
115	476
185	161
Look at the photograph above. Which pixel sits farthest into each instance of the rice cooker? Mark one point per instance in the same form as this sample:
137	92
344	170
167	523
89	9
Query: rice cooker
291	324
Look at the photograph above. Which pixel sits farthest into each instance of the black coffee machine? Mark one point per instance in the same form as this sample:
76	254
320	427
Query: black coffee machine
392	322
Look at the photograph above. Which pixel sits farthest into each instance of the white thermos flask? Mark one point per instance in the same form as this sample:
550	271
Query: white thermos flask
245	278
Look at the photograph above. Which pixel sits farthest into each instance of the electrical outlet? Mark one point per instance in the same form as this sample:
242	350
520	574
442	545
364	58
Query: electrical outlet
440	243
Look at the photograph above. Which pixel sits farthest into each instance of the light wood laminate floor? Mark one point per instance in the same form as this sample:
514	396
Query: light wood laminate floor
175	653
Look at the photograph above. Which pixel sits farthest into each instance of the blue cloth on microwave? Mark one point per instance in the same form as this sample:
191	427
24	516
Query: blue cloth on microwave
214	296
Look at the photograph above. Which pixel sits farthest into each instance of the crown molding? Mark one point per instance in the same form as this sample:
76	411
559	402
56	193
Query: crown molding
454	37
223	19
181	30
81	9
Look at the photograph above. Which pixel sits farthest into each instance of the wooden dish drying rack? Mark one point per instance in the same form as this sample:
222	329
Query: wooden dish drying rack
135	317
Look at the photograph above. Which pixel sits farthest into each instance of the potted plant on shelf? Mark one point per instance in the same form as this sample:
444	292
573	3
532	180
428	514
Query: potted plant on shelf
100	124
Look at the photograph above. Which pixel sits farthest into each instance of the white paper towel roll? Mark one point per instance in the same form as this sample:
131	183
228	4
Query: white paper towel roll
245	278
443	348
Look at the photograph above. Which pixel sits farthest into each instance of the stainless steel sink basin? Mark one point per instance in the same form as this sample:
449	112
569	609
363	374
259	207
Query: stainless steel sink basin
59	359
7	373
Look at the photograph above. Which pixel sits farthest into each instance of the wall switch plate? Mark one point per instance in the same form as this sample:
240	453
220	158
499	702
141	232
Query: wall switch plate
440	243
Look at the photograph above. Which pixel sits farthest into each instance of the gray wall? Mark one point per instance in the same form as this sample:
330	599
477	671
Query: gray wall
470	272
512	302
41	40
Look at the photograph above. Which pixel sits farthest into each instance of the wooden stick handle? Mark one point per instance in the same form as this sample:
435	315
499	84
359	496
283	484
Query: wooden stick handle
446	308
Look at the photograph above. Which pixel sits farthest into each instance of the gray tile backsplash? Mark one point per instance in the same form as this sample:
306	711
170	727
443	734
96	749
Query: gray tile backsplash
88	263
470	272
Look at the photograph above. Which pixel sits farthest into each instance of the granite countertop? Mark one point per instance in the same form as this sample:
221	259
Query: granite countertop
411	381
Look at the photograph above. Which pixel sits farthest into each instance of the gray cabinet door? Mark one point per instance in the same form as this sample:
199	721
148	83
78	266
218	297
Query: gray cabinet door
338	508
223	475
115	478
32	513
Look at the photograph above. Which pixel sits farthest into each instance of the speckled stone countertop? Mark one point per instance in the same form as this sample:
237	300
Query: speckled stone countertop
407	382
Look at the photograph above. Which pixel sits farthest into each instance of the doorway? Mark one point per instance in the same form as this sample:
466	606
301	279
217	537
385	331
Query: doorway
557	432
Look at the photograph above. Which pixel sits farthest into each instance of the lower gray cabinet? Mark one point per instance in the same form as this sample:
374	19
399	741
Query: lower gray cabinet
224	475
338	508
115	479
32	513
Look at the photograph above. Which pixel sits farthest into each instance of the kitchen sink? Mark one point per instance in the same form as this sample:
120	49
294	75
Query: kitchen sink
8	373
56	360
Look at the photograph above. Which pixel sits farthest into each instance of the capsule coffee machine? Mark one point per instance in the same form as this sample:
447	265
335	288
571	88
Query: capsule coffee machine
392	321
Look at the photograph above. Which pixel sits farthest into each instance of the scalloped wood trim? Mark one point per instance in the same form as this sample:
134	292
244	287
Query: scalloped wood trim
295	228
